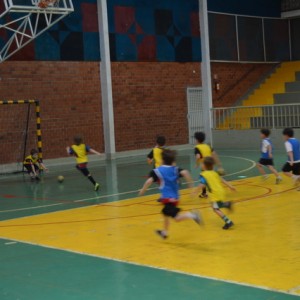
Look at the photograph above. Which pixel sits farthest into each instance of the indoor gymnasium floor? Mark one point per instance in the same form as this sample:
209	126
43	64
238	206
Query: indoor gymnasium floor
65	241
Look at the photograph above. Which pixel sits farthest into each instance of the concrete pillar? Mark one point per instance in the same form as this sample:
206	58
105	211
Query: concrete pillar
205	69
106	84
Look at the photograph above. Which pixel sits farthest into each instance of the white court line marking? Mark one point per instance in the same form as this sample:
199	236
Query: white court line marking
124	193
160	268
10	243
294	289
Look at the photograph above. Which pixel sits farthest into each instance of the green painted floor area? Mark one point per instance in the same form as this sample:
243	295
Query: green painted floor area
32	272
119	180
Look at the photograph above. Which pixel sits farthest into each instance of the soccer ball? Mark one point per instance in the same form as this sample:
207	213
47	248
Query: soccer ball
221	171
60	178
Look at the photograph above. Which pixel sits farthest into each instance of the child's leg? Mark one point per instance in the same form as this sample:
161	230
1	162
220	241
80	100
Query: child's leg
274	171
291	171
216	207
87	173
261	169
172	211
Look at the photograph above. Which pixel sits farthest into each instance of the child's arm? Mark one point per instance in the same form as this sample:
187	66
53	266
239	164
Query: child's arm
187	177
197	157
68	150
94	151
291	157
216	158
33	168
228	184
147	184
43	167
269	149
150	157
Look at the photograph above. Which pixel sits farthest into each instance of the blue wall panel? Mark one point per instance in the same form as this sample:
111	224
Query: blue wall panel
140	30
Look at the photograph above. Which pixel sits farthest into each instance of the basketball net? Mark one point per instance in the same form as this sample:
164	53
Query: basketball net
47	3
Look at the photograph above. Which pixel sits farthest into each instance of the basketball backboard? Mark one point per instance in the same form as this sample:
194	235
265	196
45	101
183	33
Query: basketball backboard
21	21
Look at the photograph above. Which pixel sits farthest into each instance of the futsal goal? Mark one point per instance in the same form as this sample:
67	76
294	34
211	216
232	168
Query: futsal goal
20	131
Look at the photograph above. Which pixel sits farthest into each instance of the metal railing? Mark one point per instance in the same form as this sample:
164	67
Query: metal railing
255	117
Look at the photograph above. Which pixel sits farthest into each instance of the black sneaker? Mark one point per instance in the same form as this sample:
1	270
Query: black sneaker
203	195
37	178
161	234
228	225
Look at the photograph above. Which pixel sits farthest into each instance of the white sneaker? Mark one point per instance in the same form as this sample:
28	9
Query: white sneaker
278	180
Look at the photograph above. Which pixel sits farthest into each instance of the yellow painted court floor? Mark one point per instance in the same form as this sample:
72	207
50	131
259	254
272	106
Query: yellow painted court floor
262	249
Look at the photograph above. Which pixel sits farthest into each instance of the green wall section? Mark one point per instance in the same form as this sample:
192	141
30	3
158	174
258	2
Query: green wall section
31	272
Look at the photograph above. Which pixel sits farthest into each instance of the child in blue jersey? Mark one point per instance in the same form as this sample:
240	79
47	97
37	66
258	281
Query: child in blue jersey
266	159
292	167
168	175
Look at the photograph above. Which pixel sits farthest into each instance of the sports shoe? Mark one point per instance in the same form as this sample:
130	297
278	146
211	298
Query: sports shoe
161	234
196	217
296	180
97	186
228	205
278	180
228	225
203	195
37	178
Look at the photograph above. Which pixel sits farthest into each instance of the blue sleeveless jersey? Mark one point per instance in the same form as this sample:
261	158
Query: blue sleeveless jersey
293	144
264	150
168	176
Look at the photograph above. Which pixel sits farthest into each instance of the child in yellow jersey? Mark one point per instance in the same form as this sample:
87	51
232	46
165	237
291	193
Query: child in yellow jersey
155	156
201	151
80	151
34	165
214	183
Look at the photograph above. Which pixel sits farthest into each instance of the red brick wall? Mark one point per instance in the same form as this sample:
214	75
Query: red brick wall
69	94
149	99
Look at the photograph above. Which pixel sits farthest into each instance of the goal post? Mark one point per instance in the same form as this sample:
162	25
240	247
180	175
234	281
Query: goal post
20	132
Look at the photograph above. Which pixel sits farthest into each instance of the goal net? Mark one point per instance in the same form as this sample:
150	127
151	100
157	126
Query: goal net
20	132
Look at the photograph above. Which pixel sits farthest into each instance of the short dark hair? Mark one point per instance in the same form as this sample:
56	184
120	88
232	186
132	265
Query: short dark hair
288	131
77	140
161	140
199	136
265	131
169	157
33	151
209	163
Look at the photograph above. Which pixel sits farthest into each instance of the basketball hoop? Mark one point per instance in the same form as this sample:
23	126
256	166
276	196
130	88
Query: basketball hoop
47	3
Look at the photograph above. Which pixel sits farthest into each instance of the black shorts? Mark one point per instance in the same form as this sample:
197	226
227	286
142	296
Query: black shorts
266	162
170	210
29	168
295	168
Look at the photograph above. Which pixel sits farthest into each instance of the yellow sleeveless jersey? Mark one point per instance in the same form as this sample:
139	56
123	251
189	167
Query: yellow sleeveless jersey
31	160
157	156
80	152
213	182
204	150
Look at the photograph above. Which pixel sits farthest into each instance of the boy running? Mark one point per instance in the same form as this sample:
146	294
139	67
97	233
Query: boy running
168	175
80	151
201	151
266	159
292	146
214	183
155	156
